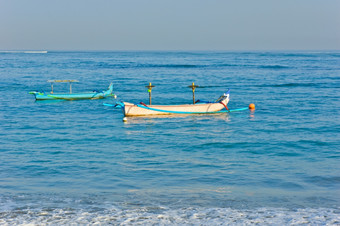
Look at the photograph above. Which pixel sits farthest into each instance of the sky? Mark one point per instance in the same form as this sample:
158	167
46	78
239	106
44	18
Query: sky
170	25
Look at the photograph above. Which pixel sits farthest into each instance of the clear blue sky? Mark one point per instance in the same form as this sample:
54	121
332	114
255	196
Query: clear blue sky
169	24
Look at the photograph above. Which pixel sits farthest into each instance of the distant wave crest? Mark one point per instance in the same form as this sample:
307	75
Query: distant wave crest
273	67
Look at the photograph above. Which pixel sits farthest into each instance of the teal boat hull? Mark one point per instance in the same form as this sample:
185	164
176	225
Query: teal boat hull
73	96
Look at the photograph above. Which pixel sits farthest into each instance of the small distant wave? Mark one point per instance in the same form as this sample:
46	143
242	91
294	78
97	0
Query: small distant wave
215	66
295	85
186	66
324	181
273	67
292	54
290	85
134	65
172	65
230	65
24	51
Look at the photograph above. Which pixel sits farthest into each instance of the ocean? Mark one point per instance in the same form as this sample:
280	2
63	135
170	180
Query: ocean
77	162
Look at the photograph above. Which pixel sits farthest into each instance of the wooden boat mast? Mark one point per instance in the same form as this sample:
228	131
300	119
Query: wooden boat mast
193	87
149	91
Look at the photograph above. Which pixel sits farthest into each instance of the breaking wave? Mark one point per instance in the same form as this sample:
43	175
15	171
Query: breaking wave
164	216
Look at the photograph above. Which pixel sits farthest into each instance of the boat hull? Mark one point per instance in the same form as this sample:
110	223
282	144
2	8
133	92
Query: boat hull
73	96
145	110
76	96
140	110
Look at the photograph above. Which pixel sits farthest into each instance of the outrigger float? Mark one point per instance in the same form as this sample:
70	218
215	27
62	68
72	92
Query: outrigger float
41	95
197	107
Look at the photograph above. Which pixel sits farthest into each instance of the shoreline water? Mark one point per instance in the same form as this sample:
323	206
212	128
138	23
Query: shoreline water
77	162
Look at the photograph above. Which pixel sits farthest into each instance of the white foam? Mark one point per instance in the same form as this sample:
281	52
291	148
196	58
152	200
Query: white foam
192	216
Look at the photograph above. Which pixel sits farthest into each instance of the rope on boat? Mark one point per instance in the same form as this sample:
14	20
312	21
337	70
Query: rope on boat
224	106
143	104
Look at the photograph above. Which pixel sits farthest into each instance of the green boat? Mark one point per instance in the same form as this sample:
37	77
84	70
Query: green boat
41	95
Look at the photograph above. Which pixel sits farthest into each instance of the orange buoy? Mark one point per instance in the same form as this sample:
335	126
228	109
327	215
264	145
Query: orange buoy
252	106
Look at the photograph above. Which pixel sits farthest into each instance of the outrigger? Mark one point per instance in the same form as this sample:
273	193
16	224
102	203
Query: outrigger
197	107
41	95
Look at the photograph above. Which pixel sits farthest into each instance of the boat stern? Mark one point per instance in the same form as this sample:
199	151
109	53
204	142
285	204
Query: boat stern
35	93
109	91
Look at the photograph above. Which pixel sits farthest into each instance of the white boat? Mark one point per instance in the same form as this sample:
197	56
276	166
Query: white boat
142	109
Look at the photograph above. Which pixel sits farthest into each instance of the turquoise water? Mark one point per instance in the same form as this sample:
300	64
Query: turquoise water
77	162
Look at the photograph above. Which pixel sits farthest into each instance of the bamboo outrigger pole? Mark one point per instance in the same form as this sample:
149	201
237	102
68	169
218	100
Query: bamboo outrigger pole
149	91
193	87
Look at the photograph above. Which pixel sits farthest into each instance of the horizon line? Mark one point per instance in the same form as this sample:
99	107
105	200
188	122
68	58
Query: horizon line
156	50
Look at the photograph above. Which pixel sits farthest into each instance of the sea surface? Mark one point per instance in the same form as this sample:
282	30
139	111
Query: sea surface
77	162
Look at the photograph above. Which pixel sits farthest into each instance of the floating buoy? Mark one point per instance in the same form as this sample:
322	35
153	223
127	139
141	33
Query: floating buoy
252	106
125	119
